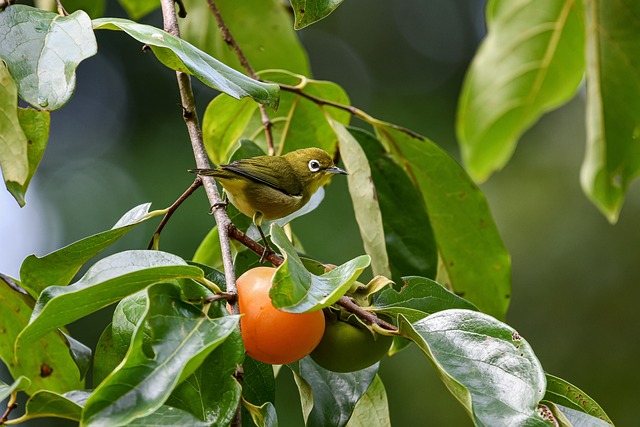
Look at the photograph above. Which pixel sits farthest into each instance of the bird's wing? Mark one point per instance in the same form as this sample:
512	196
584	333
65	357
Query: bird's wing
278	174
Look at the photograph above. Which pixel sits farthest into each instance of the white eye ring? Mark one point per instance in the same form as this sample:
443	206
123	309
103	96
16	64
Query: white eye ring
314	165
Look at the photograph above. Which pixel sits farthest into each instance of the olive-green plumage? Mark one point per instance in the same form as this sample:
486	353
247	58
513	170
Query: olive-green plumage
272	187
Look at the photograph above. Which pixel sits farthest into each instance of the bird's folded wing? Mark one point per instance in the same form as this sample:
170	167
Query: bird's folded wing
277	174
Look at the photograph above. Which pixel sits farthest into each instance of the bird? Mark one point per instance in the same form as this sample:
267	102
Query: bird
273	187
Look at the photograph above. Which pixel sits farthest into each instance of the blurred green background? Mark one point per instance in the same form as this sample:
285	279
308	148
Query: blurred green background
121	141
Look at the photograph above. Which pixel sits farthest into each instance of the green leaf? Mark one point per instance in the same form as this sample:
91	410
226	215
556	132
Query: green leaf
262	416
224	123
211	393
473	255
309	11
59	267
372	410
365	200
580	419
181	336
35	125
409	238
136	9
42	50
298	123
612	158
108	355
277	48
106	282
208	251
418	298
80	353
45	403
22	383
13	142
258	385
484	363
566	394
179	55
329	398
47	361
296	290
531	61
170	417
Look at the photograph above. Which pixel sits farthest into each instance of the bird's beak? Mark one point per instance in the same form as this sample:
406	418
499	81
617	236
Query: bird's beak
335	169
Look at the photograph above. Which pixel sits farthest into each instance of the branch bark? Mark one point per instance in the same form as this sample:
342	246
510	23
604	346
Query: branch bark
202	162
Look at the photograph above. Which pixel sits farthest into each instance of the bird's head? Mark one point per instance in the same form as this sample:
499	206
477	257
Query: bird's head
313	166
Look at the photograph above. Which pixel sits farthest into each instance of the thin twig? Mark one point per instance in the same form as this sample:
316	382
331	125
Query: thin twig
349	108
156	235
61	9
272	257
231	41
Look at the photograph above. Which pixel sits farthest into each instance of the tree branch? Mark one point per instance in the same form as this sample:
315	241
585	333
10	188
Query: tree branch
200	154
231	41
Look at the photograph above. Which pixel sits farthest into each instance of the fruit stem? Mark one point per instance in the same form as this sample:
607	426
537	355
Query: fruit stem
350	305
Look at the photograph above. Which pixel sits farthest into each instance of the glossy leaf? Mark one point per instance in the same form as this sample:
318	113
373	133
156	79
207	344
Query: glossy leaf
108	355
277	48
612	159
106	282
329	398
372	410
80	353
59	267
580	419
224	123
179	55
136	9
35	125
7	389
258	385
169	417
410	242
211	393
42	50
365	200
181	336
45	403
296	290
566	394
13	141
298	123
418	298
307	12
47	361
262	416
530	62
484	363
459	214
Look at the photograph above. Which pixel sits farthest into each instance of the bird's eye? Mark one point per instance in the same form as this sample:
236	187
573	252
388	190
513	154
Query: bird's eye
314	165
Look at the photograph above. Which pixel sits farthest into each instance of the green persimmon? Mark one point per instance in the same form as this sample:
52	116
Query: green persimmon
348	347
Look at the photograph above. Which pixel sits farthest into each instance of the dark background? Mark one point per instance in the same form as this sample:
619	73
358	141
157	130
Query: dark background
121	141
